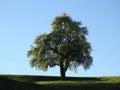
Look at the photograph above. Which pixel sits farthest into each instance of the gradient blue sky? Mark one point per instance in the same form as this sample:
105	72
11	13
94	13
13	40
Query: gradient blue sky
22	20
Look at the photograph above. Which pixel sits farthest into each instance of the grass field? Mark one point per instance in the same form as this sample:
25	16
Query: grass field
26	82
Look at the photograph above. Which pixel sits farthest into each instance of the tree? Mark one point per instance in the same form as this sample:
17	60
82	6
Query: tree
65	46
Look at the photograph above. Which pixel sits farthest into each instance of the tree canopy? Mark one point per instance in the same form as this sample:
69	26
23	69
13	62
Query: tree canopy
65	46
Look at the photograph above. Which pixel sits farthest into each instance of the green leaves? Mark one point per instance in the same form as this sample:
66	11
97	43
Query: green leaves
66	43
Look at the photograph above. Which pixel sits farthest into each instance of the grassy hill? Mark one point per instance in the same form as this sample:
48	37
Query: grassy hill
26	82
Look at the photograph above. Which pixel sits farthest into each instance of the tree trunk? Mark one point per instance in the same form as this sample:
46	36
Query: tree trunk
62	72
62	75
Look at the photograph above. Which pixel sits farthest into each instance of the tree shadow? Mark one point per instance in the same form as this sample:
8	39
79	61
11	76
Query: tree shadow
84	78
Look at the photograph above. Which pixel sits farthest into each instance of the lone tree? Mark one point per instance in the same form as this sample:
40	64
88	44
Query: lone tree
65	46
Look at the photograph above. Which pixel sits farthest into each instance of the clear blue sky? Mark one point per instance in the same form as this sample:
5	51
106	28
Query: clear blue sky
22	20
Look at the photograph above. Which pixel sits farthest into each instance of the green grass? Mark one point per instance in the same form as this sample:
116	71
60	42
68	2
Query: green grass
26	82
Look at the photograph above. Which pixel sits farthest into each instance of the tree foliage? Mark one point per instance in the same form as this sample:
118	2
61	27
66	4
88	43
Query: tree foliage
66	46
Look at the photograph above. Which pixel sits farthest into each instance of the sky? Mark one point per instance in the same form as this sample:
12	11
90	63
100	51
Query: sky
22	20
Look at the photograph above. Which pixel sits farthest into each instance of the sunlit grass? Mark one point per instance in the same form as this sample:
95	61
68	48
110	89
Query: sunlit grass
59	82
77	82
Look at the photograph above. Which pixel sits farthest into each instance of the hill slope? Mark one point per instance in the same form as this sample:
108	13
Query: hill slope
26	82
